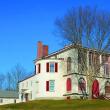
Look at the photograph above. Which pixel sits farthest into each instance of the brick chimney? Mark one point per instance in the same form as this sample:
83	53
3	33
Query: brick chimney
42	50
45	50
39	49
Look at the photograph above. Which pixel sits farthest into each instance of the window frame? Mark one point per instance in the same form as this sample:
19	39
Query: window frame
52	69
69	66
49	86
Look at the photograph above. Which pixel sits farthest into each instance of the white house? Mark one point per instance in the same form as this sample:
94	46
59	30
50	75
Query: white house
57	75
8	97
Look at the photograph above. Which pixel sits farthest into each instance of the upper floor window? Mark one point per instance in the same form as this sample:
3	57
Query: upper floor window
93	58
31	83
90	58
52	67
68	64
106	69
22	85
104	59
26	84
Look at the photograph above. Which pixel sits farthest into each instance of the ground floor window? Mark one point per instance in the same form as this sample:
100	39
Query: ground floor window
14	100
22	97
50	85
107	89
1	100
82	85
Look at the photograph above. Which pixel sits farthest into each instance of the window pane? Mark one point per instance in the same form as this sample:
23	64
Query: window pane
51	67
52	85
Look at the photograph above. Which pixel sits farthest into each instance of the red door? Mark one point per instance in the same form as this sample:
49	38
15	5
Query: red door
68	85
95	89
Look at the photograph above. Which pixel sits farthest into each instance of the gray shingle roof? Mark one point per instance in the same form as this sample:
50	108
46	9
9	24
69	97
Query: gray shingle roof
8	94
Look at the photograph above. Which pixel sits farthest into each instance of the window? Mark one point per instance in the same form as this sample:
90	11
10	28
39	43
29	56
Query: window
52	67
82	85
26	84
38	68
104	59
1	100
50	85
22	85
37	86
107	88
90	58
31	83
14	100
68	64
106	69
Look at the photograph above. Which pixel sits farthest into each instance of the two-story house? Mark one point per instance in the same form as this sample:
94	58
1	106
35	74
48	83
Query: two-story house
63	74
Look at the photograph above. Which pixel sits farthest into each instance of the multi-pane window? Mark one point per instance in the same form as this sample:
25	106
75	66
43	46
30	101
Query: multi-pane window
50	85
52	67
82	85
93	58
104	59
26	84
106	69
90	58
22	85
37	86
68	64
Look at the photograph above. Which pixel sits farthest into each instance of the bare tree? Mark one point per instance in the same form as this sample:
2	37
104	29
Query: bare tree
87	28
14	76
2	81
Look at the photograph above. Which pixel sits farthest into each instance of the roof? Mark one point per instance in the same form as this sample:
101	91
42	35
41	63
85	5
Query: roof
60	51
67	48
8	94
27	78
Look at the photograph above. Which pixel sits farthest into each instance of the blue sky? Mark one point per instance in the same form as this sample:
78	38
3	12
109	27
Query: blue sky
24	22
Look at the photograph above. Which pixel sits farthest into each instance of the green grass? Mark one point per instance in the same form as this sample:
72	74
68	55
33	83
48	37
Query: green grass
60	105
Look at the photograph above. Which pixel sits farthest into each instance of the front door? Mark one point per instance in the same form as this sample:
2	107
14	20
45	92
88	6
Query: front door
26	97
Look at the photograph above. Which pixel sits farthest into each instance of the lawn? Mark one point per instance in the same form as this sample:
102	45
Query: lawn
60	105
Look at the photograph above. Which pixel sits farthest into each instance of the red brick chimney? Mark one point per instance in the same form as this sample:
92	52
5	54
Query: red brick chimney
39	50
42	50
45	50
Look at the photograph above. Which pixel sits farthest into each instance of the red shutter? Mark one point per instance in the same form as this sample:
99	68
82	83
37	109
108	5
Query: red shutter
38	68
56	67
47	67
47	85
